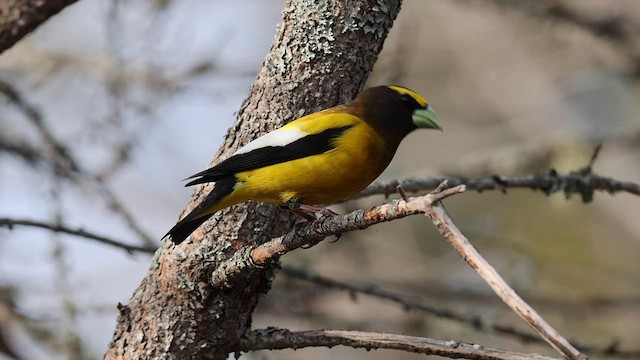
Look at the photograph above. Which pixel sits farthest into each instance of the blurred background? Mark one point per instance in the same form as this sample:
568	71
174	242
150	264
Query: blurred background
108	105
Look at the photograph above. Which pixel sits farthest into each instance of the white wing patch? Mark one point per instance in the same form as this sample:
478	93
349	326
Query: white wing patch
280	137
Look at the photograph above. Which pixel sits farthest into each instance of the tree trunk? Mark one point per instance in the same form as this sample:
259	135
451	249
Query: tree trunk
321	56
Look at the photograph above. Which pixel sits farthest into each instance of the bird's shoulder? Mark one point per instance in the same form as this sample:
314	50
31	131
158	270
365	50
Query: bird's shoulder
312	124
336	117
309	135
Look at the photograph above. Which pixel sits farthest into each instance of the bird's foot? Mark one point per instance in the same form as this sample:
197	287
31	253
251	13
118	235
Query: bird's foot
294	206
310	245
309	213
338	236
324	214
323	211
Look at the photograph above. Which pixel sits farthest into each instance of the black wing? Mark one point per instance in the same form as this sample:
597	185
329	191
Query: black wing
270	155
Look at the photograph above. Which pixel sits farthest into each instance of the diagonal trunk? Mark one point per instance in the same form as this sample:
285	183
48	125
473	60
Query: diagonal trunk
322	55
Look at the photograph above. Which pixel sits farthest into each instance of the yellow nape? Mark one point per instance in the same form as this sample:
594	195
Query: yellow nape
402	91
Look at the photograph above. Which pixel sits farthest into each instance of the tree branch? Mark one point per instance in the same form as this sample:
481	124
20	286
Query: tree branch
310	233
581	182
276	339
20	17
10	223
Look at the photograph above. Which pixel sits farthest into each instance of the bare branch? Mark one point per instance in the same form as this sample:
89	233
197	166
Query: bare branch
581	182
461	244
275	339
35	117
10	223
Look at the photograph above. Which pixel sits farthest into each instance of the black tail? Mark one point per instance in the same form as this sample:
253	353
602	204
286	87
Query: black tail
192	221
184	228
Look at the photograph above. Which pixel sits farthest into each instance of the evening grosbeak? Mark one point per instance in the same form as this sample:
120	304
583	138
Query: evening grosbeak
320	158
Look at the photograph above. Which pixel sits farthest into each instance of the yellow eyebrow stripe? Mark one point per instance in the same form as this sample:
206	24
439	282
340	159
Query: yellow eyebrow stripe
400	90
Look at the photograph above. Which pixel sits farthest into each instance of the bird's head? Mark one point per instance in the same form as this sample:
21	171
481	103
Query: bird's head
422	114
395	111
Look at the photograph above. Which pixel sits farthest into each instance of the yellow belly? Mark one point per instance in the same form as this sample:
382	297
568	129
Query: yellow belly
358	159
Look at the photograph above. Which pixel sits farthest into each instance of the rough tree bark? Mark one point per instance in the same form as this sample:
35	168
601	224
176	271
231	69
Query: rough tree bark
322	54
20	17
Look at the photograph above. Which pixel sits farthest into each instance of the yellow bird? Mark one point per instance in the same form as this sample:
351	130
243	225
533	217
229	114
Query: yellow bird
320	158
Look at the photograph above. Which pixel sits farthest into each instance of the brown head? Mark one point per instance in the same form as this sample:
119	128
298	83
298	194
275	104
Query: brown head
395	111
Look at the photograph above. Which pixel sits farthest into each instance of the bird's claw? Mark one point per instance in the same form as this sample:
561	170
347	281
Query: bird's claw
338	236
310	245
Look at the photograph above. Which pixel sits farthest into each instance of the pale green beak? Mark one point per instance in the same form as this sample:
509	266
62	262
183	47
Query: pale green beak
426	118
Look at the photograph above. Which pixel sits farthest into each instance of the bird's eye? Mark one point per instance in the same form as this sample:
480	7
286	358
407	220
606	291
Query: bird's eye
411	102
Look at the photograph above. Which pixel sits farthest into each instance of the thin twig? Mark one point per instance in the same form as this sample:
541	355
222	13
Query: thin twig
402	193
34	116
594	156
10	223
439	216
276	339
